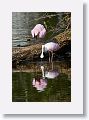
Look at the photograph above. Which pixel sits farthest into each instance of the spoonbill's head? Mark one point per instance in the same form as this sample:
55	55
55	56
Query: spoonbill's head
42	33
42	55
36	32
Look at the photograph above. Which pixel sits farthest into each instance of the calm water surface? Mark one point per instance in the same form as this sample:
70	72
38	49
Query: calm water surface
42	82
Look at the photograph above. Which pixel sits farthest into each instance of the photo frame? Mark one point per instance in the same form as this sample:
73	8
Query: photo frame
9	107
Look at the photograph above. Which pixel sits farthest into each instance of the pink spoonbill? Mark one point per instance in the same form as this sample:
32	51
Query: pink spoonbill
51	74
50	47
38	31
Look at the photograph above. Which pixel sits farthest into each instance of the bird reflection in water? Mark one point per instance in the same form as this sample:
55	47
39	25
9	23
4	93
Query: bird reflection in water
40	83
51	73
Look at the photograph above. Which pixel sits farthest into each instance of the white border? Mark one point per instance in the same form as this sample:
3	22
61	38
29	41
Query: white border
76	104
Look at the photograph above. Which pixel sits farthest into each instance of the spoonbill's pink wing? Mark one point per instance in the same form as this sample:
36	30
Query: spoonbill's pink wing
51	46
39	27
42	33
51	74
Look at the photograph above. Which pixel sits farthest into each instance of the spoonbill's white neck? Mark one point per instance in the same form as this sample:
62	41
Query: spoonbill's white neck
43	47
43	74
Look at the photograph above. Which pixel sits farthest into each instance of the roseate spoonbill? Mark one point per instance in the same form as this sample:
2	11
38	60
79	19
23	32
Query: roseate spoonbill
51	74
38	31
50	47
40	84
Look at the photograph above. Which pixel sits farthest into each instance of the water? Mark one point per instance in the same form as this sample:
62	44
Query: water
21	27
42	82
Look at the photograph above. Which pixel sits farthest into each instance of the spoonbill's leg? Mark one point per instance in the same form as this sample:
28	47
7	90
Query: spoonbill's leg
49	56
52	65
36	37
52	56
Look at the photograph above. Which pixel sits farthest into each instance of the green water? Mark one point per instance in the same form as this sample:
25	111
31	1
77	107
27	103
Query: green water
57	89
